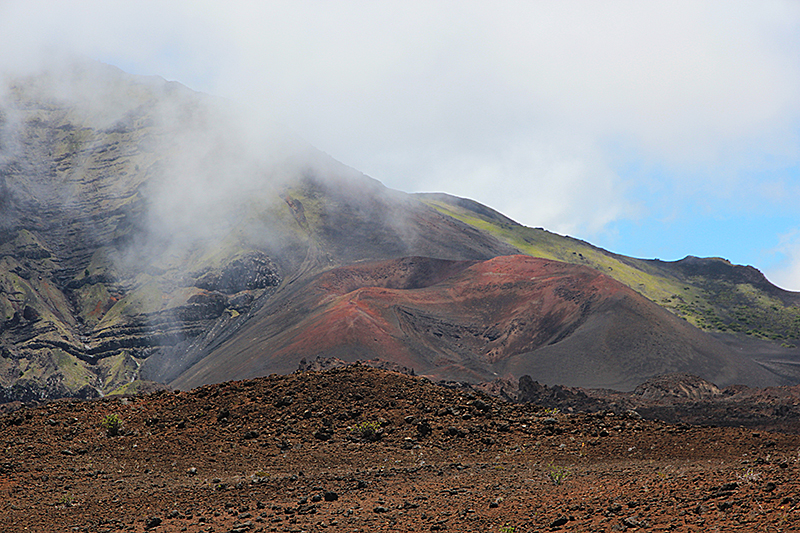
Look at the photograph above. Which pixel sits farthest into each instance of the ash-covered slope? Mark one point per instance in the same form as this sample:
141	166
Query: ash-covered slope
475	321
735	303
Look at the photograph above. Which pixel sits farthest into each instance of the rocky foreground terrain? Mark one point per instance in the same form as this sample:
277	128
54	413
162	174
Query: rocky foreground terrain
362	449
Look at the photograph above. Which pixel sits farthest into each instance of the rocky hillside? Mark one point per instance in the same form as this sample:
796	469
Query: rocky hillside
475	321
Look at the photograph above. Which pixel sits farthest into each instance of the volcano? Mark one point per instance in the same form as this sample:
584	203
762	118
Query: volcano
152	233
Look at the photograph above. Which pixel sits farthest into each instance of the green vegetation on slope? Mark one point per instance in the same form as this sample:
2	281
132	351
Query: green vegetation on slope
538	242
743	308
711	303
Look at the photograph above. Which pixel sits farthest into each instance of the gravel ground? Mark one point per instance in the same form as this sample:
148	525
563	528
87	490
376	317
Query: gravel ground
362	449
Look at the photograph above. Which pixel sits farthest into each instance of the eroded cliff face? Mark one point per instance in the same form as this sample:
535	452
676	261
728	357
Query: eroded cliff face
91	282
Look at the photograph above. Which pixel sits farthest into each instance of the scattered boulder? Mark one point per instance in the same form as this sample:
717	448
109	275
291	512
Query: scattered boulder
677	386
423	428
323	433
30	314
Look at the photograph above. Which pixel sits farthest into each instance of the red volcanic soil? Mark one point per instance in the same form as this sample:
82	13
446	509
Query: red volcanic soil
358	449
477	321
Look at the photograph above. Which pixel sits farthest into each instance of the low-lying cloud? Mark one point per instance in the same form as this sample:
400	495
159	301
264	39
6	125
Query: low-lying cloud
550	112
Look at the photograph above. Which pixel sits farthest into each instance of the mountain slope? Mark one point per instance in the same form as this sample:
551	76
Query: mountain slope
141	221
151	232
475	321
735	302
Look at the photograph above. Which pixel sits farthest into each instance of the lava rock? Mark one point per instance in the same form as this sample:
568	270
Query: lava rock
456	431
423	428
323	433
284	401
203	307
633	521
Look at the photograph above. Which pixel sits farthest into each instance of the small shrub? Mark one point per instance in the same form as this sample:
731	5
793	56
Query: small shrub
750	476
552	411
112	424
557	474
67	500
582	451
259	477
367	430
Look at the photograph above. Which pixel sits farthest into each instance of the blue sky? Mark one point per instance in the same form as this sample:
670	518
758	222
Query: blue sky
752	218
653	129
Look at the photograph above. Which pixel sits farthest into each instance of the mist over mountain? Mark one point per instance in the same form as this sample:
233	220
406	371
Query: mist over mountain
149	232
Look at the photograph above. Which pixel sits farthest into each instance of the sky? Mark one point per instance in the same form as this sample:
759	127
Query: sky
652	129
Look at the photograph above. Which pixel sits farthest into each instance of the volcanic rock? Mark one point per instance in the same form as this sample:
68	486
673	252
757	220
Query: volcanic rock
454	482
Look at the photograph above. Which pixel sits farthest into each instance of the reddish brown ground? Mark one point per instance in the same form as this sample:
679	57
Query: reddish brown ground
522	302
266	450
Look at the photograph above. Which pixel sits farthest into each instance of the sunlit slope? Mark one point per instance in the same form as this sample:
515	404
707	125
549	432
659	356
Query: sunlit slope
710	293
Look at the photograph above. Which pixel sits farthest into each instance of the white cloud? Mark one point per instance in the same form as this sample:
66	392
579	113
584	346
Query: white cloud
557	182
786	273
522	106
